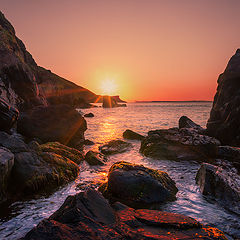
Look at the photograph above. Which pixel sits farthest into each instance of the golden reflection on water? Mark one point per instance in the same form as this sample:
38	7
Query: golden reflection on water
107	130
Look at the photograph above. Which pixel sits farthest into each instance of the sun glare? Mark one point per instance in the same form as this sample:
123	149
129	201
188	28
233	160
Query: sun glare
108	87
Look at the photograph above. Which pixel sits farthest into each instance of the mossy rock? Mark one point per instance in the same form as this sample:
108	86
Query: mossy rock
65	151
138	186
115	146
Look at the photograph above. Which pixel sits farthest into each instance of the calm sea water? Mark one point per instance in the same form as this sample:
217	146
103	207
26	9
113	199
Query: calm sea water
109	124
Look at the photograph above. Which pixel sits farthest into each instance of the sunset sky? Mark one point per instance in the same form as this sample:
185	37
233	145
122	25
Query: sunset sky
148	49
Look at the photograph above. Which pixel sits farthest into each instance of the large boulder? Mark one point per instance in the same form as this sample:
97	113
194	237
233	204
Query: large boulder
129	134
39	172
225	113
6	164
8	116
115	146
179	144
138	186
88	215
221	185
59	123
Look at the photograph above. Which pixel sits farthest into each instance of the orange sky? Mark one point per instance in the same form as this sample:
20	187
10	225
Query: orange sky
151	49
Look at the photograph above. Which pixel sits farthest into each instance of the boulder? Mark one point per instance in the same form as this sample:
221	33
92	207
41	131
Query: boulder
95	158
231	154
62	150
129	134
89	115
6	164
14	142
40	173
87	215
225	113
185	122
179	144
221	185
8	116
59	123
115	146
138	186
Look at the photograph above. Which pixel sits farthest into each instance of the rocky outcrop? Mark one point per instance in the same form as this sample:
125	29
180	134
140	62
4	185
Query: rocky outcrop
129	134
109	102
179	144
138	186
95	158
8	116
23	84
88	215
6	164
221	185
29	169
59	123
225	114
115	146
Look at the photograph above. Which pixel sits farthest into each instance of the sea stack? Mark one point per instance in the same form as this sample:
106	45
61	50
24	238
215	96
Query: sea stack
225	114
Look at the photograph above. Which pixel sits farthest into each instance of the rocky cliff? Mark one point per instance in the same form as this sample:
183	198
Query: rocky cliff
225	114
24	84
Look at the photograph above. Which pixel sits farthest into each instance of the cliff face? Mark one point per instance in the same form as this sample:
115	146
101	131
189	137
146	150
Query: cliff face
225	114
24	84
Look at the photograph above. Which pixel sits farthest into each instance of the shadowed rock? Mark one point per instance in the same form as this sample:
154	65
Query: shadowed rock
221	185
59	123
185	122
89	115
8	116
138	186
179	144
129	134
88	215
95	158
225	113
6	164
115	146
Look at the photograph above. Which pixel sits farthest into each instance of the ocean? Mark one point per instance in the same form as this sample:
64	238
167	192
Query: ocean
109	124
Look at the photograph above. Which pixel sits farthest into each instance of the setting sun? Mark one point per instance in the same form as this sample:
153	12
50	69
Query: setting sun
108	87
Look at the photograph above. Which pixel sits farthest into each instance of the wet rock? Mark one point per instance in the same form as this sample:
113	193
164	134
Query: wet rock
40	172
59	123
89	115
88	142
14	142
179	144
62	150
115	146
185	122
138	186
225	113
129	134
8	116
88	215
6	164
95	158
217	183
231	154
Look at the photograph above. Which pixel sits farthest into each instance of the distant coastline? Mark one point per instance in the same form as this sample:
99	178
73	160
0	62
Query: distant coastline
171	101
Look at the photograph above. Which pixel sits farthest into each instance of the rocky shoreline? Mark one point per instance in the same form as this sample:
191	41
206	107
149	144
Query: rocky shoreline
41	148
